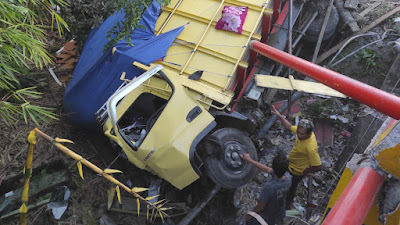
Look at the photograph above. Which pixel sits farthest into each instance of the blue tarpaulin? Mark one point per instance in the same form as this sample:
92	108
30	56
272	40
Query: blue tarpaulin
97	74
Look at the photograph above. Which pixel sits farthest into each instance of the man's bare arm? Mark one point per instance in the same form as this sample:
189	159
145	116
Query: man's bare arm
257	209
246	157
312	169
284	121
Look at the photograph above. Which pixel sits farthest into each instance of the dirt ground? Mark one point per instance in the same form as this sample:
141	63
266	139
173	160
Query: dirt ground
88	199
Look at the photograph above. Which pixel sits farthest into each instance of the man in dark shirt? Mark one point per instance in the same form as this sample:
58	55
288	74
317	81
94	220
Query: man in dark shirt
271	203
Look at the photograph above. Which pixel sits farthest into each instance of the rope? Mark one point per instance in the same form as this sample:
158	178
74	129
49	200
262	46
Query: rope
201	13
233	46
182	53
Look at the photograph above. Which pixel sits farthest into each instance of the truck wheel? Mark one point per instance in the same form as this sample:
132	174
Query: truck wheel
223	163
312	33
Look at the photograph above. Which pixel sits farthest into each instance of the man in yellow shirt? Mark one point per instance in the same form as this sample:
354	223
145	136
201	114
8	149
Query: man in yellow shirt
303	158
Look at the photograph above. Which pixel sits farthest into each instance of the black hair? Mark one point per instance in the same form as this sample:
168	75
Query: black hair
280	164
307	125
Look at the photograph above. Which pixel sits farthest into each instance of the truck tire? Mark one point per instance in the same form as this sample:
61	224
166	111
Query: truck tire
313	31
223	163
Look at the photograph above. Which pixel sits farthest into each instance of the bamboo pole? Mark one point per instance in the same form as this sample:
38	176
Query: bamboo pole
202	37
93	167
27	174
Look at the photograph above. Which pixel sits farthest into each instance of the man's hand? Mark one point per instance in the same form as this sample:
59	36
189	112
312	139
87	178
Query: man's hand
275	111
285	122
246	157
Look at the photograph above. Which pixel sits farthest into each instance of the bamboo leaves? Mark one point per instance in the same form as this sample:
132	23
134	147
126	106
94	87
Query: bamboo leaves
118	194
79	164
138	206
22	47
63	140
23	208
139	189
110	171
157	208
110	195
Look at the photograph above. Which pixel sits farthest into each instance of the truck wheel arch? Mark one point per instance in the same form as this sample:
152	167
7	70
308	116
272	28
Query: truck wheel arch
234	120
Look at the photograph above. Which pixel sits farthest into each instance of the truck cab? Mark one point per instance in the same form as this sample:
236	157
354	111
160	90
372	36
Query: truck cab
176	119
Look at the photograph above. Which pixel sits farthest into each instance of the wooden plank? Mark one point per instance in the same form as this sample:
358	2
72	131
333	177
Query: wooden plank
369	9
298	85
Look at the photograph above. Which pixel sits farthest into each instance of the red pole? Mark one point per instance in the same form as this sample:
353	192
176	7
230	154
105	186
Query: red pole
375	98
357	198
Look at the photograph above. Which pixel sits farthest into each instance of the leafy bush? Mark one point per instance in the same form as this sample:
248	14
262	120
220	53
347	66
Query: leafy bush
368	57
83	15
22	47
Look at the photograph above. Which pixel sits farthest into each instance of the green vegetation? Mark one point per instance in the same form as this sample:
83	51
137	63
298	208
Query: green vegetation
23	28
368	57
83	15
22	48
133	12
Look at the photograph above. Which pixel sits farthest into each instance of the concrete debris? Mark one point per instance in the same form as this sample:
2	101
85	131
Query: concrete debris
341	118
351	4
8	194
396	26
300	209
60	202
129	183
391	201
305	182
353	164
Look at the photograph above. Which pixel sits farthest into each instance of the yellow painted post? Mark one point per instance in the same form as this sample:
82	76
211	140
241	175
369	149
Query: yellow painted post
27	174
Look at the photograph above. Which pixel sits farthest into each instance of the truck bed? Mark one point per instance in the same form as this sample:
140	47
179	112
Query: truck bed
201	47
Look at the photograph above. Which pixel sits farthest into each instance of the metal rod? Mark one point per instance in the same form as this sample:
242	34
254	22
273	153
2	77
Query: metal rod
303	31
321	34
309	197
357	198
196	210
375	98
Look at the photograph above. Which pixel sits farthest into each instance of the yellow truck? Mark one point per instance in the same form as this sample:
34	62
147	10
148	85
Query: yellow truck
176	119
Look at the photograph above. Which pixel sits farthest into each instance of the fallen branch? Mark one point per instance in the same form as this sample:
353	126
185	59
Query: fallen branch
346	16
